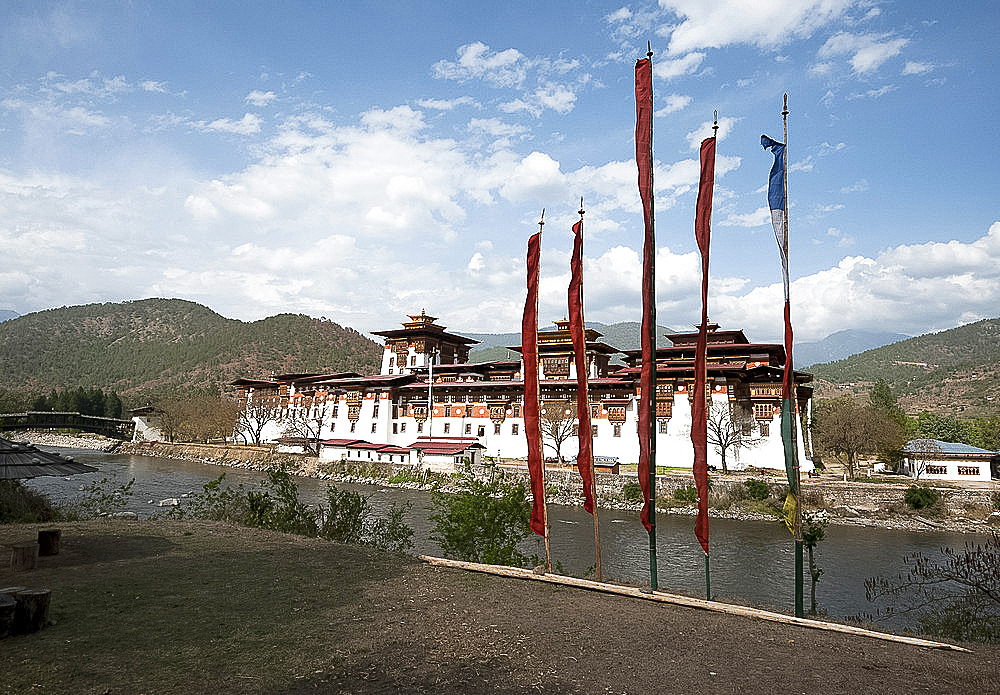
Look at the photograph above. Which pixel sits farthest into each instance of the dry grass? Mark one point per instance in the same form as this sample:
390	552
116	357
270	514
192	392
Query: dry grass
179	607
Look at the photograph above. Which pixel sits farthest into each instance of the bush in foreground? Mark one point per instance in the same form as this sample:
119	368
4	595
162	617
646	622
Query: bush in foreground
483	521
347	516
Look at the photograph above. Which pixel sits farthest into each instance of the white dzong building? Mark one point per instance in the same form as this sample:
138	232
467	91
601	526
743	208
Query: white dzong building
428	394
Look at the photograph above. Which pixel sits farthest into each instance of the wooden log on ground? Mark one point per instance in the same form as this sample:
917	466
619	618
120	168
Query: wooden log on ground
662	597
32	612
48	542
23	556
8	607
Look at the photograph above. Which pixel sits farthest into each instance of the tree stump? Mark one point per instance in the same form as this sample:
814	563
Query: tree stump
48	542
32	613
8	607
23	556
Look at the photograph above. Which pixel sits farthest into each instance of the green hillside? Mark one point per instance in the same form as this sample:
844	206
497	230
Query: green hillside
161	346
954	372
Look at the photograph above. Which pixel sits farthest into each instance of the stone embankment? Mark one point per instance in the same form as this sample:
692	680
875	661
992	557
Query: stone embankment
970	509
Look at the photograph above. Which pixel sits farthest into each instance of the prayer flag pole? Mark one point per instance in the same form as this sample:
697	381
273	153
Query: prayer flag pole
532	399
647	378
585	453
777	198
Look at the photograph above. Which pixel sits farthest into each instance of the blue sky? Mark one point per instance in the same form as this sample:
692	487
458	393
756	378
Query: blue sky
364	161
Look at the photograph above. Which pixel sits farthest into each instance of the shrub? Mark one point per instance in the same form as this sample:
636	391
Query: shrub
996	500
921	496
276	506
482	522
104	497
348	518
215	503
632	491
757	489
686	494
953	594
22	505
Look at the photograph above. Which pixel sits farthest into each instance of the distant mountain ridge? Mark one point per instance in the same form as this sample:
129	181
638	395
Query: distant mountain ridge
953	372
7	314
840	345
156	346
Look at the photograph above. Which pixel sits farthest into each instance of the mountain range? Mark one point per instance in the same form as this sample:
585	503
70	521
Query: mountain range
954	372
152	347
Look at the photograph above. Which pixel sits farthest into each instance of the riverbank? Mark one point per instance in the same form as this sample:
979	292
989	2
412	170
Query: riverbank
194	607
852	503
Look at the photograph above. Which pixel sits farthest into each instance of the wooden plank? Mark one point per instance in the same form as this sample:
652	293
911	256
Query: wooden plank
702	604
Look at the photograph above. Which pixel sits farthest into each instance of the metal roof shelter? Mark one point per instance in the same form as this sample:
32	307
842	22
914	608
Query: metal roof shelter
20	460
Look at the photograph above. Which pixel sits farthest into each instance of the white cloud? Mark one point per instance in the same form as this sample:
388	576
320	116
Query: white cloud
669	69
445	104
259	98
718	23
248	125
672	103
705	130
506	68
912	289
916	68
867	51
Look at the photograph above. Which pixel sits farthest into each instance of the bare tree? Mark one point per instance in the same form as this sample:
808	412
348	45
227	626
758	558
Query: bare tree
557	422
954	593
198	418
254	416
730	429
307	422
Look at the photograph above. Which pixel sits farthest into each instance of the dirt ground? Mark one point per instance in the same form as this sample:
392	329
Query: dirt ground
178	607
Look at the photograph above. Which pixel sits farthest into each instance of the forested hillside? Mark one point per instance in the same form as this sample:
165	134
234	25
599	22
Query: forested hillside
954	372
160	347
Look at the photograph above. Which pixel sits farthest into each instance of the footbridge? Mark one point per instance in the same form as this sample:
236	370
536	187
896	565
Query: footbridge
45	420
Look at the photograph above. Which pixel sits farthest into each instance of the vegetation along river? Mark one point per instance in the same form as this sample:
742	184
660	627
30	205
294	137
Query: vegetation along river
751	562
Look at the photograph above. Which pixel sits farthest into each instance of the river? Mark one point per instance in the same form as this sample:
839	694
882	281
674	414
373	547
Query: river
751	562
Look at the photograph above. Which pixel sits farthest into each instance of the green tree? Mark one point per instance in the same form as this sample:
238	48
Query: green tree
849	430
483	521
813	532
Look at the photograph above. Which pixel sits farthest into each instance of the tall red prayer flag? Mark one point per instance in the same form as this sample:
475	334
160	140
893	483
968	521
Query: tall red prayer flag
647	378
529	347
585	456
699	410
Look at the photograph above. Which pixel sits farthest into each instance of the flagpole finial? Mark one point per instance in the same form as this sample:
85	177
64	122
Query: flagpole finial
784	108
581	211
715	123
649	50
541	220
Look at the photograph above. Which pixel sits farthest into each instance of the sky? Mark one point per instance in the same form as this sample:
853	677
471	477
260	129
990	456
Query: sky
363	161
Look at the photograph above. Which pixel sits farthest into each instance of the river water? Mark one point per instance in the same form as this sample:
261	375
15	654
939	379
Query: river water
750	561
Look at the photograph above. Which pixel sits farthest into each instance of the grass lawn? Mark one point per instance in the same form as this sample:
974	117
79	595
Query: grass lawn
197	607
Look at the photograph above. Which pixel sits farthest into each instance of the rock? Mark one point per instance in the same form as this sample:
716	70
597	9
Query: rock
123	515
845	512
169	502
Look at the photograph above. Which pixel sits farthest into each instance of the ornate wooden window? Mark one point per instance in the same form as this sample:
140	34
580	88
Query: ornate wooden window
937	470
763	411
664	409
555	366
968	470
616	414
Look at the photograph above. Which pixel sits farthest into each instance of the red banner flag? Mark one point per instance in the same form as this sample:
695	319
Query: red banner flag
699	410
585	456
647	378
529	348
